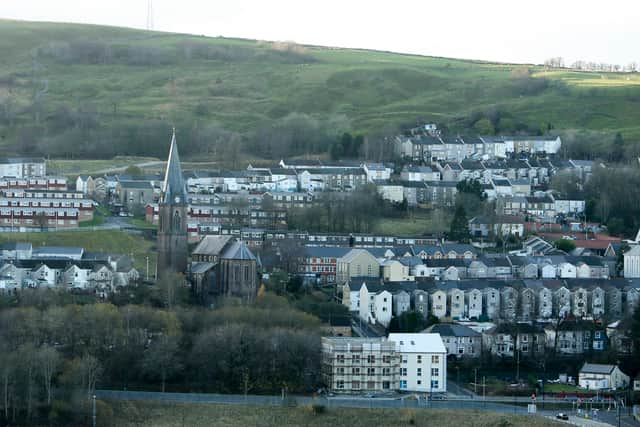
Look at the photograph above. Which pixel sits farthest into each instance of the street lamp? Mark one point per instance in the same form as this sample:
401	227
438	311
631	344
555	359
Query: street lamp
94	410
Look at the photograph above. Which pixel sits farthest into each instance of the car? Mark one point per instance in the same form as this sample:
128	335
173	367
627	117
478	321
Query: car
370	395
562	416
438	397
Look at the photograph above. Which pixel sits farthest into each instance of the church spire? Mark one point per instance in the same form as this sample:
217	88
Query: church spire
174	189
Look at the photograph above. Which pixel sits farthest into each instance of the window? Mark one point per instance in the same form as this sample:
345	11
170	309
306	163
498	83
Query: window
371	371
435	372
386	359
419	358
419	372
386	371
355	371
435	359
403	372
434	384
340	358
371	358
404	359
176	221
355	358
386	385
403	384
355	385
340	384
419	382
340	371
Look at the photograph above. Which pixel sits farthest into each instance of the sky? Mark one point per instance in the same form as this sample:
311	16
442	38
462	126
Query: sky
493	30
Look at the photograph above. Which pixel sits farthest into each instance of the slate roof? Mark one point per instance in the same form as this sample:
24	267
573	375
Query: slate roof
238	251
419	169
201	267
173	187
211	245
58	251
452	330
596	368
16	246
146	185
325	251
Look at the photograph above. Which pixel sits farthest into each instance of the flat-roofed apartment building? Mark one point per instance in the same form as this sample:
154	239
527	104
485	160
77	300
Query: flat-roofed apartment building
353	365
20	167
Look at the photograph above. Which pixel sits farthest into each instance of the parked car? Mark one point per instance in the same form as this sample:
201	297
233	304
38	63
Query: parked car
562	416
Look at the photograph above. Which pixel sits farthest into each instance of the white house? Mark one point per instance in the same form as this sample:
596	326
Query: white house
473	306
456	303
439	303
594	376
375	306
376	172
632	262
567	270
419	173
423	362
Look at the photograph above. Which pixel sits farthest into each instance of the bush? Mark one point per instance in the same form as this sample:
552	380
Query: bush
316	408
409	416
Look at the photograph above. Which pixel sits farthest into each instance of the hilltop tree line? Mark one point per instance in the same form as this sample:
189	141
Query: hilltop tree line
581	65
93	51
53	357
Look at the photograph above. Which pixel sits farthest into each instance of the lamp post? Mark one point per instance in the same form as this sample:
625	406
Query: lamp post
94	410
475	380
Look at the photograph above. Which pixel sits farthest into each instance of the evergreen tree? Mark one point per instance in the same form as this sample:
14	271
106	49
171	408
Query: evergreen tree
459	229
617	151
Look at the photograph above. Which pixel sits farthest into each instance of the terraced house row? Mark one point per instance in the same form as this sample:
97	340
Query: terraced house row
524	300
71	268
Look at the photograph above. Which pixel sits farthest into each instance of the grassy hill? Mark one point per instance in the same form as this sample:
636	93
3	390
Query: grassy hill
69	90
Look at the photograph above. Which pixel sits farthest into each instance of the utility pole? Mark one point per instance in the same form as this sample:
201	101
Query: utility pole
517	362
150	15
94	410
475	381
483	388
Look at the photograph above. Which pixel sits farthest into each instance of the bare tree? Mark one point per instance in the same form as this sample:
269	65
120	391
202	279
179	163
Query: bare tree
48	360
161	358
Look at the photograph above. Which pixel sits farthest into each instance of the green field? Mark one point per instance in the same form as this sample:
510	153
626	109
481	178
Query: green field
172	414
111	241
79	167
196	81
418	223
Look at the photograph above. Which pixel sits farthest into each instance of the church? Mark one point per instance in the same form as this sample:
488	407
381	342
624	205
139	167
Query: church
172	226
224	266
220	265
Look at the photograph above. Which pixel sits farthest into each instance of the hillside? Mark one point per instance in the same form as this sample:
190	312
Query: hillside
69	90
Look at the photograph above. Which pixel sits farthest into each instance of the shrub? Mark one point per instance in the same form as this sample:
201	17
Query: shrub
409	416
316	408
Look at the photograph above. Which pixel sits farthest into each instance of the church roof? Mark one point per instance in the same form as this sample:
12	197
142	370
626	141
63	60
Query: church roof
173	186
211	245
238	250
